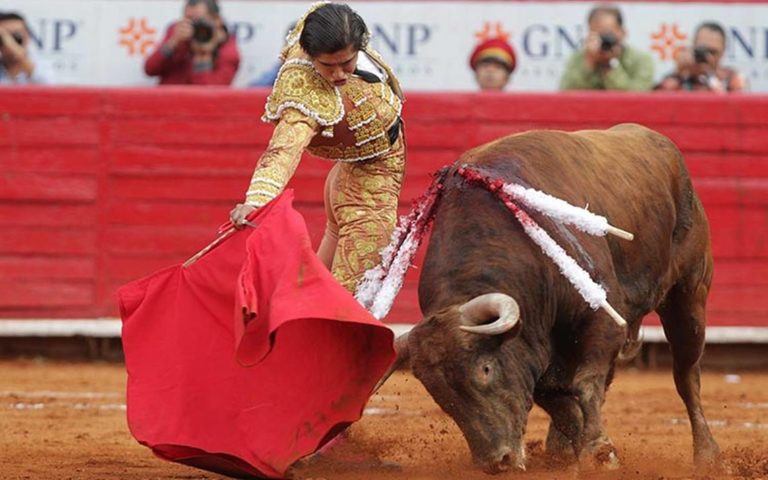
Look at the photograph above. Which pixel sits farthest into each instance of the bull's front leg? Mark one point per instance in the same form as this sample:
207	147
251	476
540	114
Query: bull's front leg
600	341
554	395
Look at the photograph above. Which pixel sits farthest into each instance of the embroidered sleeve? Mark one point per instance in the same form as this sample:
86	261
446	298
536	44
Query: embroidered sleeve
276	166
300	87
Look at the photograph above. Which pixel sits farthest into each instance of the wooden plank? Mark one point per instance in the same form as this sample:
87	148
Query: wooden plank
726	164
207	160
739	233
181	188
48	214
58	160
175	242
63	312
740	271
701	138
438	135
753	110
45	293
61	101
165	213
189	131
435	107
6	136
17	186
14	268
210	103
746	299
47	241
732	192
59	131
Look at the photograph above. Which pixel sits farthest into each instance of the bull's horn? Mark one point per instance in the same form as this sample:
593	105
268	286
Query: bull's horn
402	356
481	308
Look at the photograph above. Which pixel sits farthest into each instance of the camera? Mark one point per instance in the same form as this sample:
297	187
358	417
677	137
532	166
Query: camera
202	30
701	54
17	37
607	41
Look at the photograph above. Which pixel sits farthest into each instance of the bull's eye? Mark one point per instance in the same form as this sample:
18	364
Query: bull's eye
485	374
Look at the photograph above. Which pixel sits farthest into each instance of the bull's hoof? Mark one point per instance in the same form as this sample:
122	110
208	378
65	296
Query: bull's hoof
559	448
708	460
602	456
504	460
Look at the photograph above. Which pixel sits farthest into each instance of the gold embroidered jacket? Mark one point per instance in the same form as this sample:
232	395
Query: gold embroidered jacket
344	124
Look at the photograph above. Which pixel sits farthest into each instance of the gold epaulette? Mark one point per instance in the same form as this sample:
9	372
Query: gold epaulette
299	86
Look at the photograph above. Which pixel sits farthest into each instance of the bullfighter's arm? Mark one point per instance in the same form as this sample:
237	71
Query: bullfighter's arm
276	166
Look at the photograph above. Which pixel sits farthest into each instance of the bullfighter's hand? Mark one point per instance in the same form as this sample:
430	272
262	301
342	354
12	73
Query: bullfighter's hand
239	214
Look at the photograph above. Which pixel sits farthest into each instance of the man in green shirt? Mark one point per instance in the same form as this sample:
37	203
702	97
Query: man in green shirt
606	62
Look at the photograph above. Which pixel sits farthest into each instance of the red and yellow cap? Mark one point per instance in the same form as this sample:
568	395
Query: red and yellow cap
494	49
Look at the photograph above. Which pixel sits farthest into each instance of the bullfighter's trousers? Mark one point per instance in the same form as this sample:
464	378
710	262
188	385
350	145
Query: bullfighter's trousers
361	208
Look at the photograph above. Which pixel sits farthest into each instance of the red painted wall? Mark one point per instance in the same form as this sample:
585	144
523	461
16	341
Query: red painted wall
100	186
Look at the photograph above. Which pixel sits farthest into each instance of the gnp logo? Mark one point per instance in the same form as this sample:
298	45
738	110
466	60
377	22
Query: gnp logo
551	42
402	44
668	41
53	34
401	39
137	36
244	32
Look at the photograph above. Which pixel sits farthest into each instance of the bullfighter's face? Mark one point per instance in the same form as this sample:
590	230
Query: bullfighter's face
472	379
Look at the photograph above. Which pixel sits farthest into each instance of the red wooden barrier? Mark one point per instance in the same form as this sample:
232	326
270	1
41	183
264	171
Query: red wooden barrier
100	186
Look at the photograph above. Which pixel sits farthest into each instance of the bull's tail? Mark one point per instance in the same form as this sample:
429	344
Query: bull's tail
380	285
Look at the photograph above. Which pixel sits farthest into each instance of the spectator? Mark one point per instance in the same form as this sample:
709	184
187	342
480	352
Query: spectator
196	50
493	62
16	64
606	62
698	68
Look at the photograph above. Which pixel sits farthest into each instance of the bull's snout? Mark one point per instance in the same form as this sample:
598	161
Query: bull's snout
504	459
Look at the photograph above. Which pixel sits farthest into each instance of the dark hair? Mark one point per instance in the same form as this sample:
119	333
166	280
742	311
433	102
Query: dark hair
6	16
211	5
610	10
714	26
333	27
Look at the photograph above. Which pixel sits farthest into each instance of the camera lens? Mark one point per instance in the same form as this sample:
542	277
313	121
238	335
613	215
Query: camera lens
701	54
202	31
607	41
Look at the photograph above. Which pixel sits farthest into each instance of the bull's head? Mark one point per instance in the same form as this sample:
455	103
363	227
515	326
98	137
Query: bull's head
458	355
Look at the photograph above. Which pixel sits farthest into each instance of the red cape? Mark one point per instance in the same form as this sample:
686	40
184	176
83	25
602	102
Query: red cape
251	396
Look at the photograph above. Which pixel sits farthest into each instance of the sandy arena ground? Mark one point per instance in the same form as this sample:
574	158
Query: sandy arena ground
67	421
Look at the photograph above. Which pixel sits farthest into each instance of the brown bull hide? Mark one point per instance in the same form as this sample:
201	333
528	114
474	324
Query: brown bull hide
563	355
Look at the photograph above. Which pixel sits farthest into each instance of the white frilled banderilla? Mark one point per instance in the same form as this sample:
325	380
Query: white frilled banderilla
381	284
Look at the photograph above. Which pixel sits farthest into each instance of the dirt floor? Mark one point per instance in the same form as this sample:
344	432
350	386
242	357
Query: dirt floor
67	421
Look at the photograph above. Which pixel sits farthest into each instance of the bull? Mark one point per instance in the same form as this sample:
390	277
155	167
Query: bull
503	329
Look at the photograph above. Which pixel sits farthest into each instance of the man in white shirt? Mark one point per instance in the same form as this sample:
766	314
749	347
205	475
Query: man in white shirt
16	64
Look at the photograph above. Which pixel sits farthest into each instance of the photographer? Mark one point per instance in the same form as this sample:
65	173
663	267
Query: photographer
196	50
699	69
606	62
16	64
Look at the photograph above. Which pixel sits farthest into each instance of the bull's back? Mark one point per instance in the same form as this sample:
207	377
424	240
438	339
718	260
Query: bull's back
630	174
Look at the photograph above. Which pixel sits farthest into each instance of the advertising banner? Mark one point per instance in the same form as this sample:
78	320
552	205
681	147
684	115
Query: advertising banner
428	43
